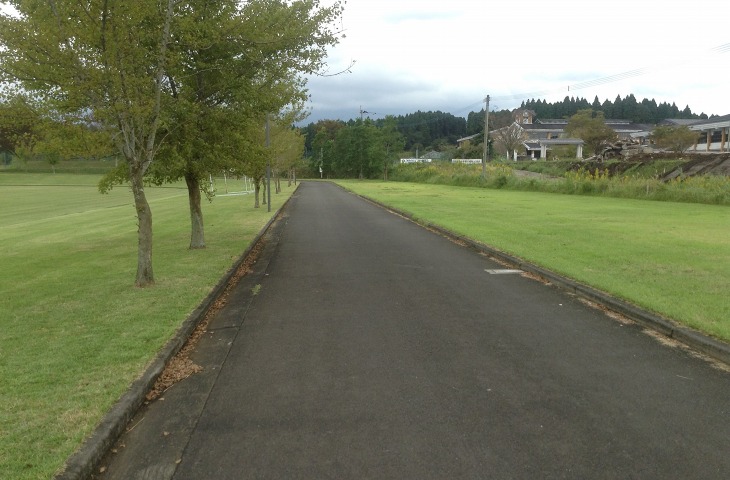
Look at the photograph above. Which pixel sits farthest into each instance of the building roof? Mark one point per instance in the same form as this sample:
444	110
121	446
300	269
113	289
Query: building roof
544	127
561	141
469	137
711	123
556	121
678	121
433	154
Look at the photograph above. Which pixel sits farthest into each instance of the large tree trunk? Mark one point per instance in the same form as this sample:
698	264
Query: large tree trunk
197	232
257	191
145	276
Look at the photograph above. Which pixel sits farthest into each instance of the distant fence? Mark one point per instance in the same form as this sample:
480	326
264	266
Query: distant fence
415	160
468	161
233	186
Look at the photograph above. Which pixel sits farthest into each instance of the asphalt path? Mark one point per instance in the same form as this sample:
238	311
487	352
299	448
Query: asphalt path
365	346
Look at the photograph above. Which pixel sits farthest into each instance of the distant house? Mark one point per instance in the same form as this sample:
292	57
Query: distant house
543	134
716	134
713	134
539	135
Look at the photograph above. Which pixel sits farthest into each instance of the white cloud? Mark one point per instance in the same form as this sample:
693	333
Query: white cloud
447	55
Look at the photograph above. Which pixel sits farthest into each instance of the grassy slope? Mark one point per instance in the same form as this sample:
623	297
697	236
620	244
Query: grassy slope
74	332
671	258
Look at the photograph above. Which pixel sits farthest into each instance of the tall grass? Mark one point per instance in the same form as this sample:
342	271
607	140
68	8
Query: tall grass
74	331
710	189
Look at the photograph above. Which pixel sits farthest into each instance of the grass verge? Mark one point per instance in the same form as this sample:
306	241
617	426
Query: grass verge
669	258
74	331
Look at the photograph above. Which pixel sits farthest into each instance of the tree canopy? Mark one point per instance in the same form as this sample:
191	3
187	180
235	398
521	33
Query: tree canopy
591	127
676	138
184	80
627	108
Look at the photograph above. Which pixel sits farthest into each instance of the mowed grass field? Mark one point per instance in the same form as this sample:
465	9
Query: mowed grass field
74	331
669	258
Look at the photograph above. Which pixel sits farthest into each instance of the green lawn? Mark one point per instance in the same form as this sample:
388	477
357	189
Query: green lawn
74	331
670	258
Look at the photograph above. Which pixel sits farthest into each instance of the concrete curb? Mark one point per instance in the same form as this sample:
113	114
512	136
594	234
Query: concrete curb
696	340
81	464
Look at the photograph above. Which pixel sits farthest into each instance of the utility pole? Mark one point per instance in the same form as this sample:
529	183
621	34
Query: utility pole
268	165
362	133
486	139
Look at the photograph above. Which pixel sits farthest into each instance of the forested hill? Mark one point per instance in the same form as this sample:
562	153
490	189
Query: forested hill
628	108
431	130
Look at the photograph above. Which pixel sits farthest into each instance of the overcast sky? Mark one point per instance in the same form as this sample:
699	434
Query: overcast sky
449	54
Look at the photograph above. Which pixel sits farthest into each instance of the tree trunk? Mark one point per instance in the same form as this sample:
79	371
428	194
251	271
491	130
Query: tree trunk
145	276
263	192
197	232
257	191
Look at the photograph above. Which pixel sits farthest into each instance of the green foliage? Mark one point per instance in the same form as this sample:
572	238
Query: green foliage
590	127
508	139
429	128
187	83
498	175
420	129
676	138
646	111
361	149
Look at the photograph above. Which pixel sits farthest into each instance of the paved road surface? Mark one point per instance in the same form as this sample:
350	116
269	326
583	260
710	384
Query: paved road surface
377	349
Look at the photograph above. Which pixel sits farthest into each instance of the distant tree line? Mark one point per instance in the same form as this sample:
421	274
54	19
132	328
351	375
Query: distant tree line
421	132
627	108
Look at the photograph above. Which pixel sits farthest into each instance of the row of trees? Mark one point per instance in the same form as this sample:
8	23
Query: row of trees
180	89
420	130
361	148
627	108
